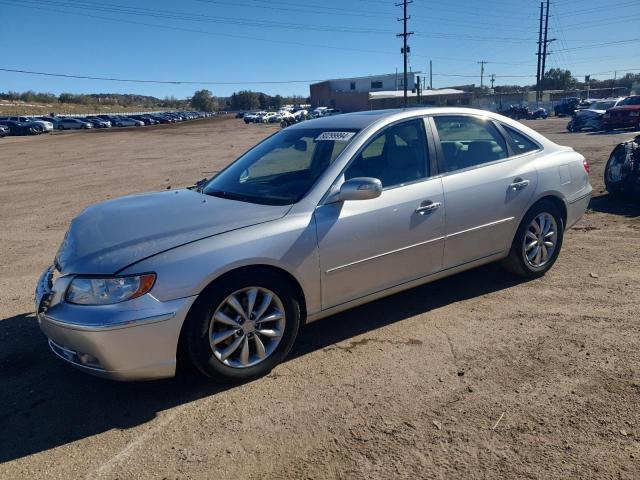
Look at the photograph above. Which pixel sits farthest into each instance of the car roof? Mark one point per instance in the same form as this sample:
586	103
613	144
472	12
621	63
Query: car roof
361	120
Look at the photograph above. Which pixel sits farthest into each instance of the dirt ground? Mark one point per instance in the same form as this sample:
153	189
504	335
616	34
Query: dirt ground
476	376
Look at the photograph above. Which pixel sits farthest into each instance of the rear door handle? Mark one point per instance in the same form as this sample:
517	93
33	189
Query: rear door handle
519	184
427	207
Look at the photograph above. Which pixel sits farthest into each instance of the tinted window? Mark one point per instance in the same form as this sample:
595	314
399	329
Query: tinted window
395	156
469	141
521	143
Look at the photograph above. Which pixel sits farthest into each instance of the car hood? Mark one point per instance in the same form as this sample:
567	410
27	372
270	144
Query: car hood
110	236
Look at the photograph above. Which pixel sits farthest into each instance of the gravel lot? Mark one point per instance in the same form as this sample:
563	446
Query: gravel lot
475	376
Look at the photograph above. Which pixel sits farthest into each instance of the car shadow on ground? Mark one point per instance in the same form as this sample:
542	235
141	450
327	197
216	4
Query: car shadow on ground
45	403
631	132
615	205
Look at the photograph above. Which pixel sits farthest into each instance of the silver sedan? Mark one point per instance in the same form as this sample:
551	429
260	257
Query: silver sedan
318	218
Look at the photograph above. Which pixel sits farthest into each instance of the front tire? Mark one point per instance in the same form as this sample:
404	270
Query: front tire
240	328
537	242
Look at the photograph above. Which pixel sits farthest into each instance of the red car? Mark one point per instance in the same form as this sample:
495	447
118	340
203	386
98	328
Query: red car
625	115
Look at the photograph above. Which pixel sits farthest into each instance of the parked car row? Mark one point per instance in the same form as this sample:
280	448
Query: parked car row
286	116
523	112
22	125
607	114
16	126
267	117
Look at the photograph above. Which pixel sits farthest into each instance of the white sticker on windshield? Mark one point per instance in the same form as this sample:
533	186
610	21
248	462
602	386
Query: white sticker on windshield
335	136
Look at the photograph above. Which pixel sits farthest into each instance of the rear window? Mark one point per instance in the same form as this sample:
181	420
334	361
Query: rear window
522	143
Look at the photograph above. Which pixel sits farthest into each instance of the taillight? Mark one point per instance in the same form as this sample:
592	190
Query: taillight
585	164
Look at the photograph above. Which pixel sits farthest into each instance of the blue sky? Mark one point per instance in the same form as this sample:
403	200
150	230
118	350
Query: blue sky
243	41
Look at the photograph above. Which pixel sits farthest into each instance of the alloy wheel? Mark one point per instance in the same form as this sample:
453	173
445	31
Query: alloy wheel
247	327
540	240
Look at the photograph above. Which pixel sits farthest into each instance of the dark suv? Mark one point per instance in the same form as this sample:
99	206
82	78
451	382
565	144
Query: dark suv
566	107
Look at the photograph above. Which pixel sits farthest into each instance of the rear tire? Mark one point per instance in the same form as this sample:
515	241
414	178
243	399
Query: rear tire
213	326
541	230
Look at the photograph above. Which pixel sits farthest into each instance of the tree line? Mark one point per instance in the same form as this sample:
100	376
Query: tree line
559	79
123	99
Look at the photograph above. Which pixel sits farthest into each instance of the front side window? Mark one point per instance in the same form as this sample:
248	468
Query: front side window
280	170
521	142
396	156
376	84
468	141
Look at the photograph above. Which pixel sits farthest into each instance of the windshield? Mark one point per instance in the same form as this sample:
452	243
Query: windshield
282	169
602	105
630	101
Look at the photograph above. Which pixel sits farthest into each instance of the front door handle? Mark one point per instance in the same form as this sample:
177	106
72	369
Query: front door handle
427	207
519	184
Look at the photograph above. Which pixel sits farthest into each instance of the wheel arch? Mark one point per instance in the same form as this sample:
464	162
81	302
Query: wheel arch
291	279
557	200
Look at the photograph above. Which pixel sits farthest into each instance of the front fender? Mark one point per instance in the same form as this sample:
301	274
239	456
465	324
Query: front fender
289	244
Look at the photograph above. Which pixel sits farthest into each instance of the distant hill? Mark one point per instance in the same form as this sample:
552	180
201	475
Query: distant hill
31	102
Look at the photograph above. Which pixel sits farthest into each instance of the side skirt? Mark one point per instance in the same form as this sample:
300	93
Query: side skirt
406	286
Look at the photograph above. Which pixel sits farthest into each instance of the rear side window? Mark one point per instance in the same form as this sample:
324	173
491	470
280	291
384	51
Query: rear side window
468	141
521	143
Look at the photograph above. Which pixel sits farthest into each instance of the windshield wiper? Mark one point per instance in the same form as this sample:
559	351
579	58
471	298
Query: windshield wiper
199	185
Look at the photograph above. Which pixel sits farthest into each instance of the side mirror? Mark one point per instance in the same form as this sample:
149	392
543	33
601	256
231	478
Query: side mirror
360	188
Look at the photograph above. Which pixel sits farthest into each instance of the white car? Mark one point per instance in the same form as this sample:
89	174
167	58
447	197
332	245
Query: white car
318	112
46	126
270	117
254	117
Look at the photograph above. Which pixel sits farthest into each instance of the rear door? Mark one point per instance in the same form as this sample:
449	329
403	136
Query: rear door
487	186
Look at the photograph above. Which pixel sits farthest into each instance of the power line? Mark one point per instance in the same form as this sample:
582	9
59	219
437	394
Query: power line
258	82
247	37
119	9
597	45
171	82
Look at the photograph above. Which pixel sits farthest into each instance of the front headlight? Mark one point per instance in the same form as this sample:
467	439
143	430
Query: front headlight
634	114
108	290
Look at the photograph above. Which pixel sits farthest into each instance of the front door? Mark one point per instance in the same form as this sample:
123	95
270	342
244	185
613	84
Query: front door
370	245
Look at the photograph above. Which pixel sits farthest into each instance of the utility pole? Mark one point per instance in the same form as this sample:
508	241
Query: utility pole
545	43
538	92
405	47
482	64
493	79
430	75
